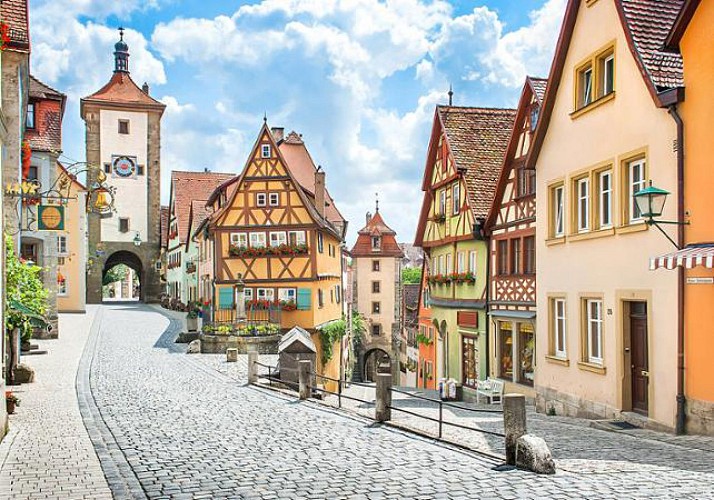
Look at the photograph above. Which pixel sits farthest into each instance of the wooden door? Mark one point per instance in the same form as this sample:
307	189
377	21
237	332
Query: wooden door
639	359
470	361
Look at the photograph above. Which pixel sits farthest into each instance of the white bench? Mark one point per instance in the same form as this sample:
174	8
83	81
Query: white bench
491	389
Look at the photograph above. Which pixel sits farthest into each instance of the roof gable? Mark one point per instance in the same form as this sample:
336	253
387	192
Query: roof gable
14	13
121	91
376	227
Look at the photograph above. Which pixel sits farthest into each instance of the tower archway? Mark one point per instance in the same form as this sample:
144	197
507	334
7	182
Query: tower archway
129	288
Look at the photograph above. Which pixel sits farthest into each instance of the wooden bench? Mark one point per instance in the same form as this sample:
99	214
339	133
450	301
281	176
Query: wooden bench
491	389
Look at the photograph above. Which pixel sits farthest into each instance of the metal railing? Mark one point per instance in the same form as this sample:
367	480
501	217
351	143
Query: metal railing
340	393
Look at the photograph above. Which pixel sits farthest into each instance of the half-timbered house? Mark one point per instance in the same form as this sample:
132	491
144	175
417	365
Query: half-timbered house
464	160
511	226
281	236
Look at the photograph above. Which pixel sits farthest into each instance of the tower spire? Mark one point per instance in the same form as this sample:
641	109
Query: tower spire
376	203
451	95
121	54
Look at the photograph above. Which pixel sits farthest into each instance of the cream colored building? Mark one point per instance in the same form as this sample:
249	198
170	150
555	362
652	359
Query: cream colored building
72	249
607	326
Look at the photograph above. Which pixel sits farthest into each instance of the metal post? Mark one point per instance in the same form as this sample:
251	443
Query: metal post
382	410
514	423
305	378
252	367
441	415
270	375
339	393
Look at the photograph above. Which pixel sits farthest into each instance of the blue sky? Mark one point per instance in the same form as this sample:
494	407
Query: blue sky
358	78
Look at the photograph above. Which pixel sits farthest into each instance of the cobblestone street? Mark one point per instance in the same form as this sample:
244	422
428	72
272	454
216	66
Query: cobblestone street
169	425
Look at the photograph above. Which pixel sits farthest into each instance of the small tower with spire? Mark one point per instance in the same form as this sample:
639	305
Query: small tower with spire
121	54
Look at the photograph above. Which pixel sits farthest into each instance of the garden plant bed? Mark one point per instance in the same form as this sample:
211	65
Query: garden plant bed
217	344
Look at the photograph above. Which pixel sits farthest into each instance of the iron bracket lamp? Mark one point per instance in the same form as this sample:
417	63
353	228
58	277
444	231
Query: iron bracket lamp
650	203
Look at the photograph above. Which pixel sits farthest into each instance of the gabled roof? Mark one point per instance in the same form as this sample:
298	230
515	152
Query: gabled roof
47	134
197	216
646	24
40	90
296	334
14	13
376	227
164	225
680	24
303	169
187	187
233	184
411	292
121	91
533	87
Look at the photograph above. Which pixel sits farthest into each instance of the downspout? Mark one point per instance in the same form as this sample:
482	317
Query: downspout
681	399
487	239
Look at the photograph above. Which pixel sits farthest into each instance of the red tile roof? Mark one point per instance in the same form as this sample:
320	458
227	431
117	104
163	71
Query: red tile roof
199	213
49	109
376	227
40	90
477	139
121	90
538	85
187	187
648	23
14	14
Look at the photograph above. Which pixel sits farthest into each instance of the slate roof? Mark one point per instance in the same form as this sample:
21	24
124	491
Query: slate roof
649	23
14	14
39	90
164	225
539	85
478	138
376	227
187	187
121	89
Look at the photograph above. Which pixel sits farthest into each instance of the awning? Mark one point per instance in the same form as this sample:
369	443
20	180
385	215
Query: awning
689	257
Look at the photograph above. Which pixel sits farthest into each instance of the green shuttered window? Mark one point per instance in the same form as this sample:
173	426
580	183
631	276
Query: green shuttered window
304	296
225	298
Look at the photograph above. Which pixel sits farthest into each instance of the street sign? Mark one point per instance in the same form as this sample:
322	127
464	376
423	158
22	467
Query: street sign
50	218
700	281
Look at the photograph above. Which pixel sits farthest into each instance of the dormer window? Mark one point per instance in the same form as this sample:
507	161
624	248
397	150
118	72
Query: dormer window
265	151
376	242
30	121
535	111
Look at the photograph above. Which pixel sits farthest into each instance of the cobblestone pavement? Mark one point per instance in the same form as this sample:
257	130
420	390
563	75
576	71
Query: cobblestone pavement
47	452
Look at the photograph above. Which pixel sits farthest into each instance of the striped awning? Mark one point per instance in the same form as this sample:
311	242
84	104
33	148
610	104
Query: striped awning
689	257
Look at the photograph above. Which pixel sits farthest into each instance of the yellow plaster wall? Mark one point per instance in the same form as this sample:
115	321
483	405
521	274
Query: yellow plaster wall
74	268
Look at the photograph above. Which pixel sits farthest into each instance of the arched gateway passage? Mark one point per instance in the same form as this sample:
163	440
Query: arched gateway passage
370	364
128	286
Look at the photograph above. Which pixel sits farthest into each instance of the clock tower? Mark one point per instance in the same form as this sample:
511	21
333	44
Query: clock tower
123	140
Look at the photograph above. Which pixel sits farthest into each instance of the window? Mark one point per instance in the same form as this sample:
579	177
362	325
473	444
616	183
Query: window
472	261
593	312
582	210
606	65
338	293
557	205
376	242
296	237
526	353
635	183
558	327
456	198
505	350
449	264
442	202
265	151
516	256
287	294
585	86
123	127
140	170
375	265
33	173
461	262
260	199
605	198
278	238
525	181
442	267
61	262
535	112
123	225
257	240
529	255
376	307
320	243
265	294
30	121
375	287
239	239
107	168
320	298
62	244
274	199
248	293
376	329
502	257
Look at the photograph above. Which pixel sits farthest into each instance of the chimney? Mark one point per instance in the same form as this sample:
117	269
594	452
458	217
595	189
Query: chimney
368	217
320	191
278	133
145	88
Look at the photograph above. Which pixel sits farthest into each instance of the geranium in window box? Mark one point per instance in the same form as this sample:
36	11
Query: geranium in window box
288	305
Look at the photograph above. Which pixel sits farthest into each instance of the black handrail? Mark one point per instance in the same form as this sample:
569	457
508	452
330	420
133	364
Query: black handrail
450	405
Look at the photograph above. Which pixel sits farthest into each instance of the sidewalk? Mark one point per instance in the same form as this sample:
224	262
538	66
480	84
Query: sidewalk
47	452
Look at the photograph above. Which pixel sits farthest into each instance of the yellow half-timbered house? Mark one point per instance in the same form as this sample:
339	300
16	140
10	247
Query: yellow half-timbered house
282	237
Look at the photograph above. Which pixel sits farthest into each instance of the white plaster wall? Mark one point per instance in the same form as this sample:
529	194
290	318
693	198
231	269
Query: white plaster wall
131	197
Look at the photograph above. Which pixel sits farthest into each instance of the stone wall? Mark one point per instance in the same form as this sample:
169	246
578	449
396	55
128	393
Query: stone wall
700	417
217	344
569	405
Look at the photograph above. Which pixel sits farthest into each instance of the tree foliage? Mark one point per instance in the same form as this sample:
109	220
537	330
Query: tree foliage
116	273
336	330
26	295
411	275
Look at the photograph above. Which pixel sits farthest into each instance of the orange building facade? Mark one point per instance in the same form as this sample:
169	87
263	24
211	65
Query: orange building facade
425	338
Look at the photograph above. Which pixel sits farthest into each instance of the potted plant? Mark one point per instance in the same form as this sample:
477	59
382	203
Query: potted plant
11	401
192	316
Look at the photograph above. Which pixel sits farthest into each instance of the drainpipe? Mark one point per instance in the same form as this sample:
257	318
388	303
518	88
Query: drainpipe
681	398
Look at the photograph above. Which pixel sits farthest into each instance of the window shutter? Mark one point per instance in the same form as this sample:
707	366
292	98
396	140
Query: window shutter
225	298
304	296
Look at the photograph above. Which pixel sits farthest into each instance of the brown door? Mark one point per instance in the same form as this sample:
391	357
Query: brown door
470	361
639	358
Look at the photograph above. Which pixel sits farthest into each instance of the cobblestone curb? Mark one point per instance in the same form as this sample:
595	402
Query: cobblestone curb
120	476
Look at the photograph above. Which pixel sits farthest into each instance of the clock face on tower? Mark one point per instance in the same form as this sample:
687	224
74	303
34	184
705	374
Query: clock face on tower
124	166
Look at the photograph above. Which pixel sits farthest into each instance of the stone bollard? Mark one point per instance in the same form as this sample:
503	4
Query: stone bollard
252	367
514	423
305	378
231	355
382	410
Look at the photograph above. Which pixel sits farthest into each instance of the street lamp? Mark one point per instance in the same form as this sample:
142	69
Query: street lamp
650	203
137	240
